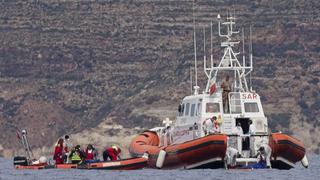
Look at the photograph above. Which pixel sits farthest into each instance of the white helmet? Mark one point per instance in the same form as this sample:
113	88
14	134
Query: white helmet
115	147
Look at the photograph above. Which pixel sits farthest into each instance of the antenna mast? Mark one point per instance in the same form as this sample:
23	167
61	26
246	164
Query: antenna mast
211	58
251	61
229	60
196	87
190	79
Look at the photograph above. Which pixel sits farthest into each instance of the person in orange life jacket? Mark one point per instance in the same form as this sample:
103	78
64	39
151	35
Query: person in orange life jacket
91	154
77	156
58	152
112	153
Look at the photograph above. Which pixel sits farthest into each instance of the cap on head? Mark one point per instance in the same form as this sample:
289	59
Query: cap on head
66	137
77	147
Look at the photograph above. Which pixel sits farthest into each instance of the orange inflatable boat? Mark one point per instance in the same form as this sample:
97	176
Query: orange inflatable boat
203	152
125	164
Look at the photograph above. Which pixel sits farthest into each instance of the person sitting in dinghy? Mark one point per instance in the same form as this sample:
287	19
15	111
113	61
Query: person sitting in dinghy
77	156
91	154
112	153
262	162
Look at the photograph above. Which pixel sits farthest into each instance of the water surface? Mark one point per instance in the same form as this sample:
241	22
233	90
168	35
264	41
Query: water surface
7	172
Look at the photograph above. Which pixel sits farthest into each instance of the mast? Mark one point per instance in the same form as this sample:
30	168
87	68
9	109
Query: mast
211	56
190	79
250	47
204	44
229	60
196	87
204	51
243	54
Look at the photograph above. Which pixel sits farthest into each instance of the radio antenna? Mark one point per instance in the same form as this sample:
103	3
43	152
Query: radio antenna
196	87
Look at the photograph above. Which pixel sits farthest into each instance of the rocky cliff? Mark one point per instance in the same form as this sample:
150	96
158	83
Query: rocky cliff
105	70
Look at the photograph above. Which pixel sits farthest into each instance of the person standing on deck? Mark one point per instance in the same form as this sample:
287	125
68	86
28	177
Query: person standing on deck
252	132
216	127
226	86
239	129
252	128
239	137
58	152
208	127
67	148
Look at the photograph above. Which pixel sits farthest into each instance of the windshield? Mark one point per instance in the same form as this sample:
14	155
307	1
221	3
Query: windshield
212	107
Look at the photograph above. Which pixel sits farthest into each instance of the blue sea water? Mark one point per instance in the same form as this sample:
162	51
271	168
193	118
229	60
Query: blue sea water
7	172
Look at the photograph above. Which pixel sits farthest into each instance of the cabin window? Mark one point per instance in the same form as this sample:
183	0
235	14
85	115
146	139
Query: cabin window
187	109
212	107
251	107
198	112
193	108
181	109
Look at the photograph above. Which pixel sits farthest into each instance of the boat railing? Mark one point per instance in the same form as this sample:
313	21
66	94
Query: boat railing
249	135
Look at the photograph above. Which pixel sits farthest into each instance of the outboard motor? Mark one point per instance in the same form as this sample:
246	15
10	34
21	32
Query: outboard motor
23	160
20	160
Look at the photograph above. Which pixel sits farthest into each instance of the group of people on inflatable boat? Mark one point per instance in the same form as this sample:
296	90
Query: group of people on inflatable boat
64	153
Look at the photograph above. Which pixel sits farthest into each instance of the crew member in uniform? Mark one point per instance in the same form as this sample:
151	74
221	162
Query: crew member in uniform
226	86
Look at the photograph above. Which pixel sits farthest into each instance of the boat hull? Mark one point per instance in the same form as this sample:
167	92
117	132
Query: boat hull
125	164
286	150
128	164
35	167
191	154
